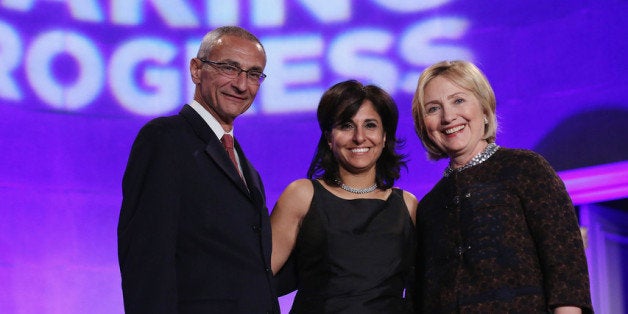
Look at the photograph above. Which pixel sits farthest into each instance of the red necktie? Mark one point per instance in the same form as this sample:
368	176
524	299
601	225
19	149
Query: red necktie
227	142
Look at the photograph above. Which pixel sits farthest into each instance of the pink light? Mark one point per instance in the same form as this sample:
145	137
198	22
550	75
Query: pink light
598	183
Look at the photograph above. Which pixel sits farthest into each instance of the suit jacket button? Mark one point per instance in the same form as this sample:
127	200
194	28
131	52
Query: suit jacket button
256	228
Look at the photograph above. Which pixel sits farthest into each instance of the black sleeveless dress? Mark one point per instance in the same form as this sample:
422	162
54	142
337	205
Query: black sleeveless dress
354	256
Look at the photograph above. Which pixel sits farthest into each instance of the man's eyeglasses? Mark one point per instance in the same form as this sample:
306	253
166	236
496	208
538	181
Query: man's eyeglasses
227	69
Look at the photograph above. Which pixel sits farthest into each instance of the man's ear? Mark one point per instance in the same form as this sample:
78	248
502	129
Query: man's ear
196	67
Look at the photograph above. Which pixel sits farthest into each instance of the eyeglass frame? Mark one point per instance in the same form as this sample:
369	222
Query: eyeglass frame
222	66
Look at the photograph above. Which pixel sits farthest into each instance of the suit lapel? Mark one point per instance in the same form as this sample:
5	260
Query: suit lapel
214	148
250	175
217	152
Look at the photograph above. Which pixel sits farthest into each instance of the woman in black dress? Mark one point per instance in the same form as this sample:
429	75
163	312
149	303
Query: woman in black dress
349	232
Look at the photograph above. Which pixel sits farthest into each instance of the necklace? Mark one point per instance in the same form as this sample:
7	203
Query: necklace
490	149
354	190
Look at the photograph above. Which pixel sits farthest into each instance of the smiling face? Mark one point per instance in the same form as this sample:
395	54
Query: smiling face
454	120
358	143
225	97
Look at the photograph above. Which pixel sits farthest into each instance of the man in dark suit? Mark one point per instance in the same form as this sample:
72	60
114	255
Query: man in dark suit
194	233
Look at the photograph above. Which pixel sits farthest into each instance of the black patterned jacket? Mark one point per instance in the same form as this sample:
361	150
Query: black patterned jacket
500	237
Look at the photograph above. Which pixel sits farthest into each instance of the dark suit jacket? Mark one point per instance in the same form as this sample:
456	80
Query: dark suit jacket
191	237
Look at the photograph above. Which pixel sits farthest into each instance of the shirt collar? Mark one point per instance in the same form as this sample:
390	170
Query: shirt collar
209	119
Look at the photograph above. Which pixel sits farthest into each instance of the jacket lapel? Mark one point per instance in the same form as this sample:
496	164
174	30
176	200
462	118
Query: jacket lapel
214	148
216	151
250	175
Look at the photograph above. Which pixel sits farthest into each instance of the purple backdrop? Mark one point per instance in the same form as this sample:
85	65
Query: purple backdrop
79	78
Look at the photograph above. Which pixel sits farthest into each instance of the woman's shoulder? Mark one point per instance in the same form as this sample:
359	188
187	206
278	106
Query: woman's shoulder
411	203
520	154
524	159
296	197
407	195
300	186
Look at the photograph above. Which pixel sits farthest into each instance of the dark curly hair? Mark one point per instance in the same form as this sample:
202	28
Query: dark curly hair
338	105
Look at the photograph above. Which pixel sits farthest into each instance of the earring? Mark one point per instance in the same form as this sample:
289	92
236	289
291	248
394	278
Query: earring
485	120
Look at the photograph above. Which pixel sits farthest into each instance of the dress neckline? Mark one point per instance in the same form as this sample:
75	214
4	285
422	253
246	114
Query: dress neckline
353	199
488	151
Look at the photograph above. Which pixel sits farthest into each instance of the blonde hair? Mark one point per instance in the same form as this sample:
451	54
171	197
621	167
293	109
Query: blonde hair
466	75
